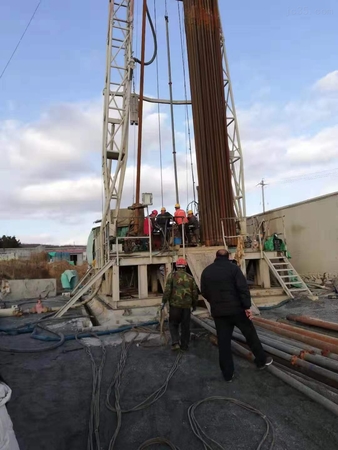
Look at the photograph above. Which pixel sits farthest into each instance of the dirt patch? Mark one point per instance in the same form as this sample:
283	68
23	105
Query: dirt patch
38	267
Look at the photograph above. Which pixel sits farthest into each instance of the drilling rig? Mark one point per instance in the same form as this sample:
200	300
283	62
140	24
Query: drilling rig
127	275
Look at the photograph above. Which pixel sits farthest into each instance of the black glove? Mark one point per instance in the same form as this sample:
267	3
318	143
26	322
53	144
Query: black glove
193	308
162	306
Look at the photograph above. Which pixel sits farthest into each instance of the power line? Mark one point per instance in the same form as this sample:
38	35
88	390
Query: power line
263	184
21	38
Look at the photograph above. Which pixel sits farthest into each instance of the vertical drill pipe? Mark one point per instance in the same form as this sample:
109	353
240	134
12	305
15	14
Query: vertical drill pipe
140	111
203	35
171	107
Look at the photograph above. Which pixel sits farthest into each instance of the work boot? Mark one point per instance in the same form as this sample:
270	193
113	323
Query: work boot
184	348
175	347
268	362
228	380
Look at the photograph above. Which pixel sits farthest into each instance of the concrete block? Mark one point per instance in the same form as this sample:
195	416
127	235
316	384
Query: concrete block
27	289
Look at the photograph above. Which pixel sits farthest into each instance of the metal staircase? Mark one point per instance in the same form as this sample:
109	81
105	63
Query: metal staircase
286	274
85	288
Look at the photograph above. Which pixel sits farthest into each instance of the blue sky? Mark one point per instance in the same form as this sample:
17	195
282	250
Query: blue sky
51	120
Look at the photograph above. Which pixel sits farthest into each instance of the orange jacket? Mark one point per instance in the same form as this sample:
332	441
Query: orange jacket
180	216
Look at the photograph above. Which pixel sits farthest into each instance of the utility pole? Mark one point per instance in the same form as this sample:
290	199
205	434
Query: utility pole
263	184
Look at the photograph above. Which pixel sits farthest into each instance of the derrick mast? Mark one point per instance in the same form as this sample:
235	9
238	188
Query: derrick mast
116	113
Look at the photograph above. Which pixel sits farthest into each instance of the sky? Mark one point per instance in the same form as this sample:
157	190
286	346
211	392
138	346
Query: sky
283	66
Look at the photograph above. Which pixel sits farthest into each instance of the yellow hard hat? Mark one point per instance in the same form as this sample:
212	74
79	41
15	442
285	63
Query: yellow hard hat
190	211
177	205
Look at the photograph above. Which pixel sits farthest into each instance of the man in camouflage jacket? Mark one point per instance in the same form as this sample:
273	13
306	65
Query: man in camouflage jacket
182	294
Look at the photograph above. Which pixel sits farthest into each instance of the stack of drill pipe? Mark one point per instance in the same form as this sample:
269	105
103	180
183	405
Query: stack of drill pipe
300	345
326	343
291	355
278	372
216	200
301	326
317	323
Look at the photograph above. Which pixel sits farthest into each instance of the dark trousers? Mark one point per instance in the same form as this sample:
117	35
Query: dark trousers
225	327
177	317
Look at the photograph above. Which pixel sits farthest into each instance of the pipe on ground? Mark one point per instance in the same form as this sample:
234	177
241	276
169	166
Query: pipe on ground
278	373
296	352
313	321
310	334
9	312
310	393
300	345
326	346
296	361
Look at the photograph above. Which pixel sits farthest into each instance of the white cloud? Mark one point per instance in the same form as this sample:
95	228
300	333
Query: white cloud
328	83
53	166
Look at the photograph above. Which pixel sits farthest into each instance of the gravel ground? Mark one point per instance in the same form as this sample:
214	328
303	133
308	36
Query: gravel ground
52	394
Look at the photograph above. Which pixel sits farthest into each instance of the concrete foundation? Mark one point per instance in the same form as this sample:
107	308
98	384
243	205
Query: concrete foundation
27	289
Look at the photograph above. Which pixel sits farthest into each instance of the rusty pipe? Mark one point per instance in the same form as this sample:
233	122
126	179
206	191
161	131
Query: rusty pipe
313	321
310	334
300	345
296	352
313	395
326	347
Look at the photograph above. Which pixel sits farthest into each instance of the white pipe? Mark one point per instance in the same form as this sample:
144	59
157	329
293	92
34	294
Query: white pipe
8	312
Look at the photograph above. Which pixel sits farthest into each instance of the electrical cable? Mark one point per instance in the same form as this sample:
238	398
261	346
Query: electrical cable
116	384
20	40
148	63
94	419
204	438
158	441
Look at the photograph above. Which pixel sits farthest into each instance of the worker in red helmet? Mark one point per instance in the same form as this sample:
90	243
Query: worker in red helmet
149	223
182	295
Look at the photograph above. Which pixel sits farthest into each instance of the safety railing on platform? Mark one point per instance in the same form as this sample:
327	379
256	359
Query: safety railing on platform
251	240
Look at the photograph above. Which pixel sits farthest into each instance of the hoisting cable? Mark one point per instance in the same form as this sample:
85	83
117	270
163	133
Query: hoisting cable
166	17
159	112
186	100
148	63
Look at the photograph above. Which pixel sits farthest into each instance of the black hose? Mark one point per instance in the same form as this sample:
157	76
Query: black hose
155	42
208	441
158	441
37	350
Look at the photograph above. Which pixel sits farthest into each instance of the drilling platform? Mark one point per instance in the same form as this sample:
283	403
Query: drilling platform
127	274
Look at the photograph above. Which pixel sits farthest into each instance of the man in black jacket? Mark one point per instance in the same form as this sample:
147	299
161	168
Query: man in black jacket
225	287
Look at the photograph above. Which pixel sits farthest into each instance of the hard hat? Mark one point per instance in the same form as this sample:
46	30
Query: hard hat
181	262
190	211
177	205
163	208
154	212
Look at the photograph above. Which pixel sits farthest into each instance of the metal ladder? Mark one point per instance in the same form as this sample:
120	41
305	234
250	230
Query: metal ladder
283	270
84	289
